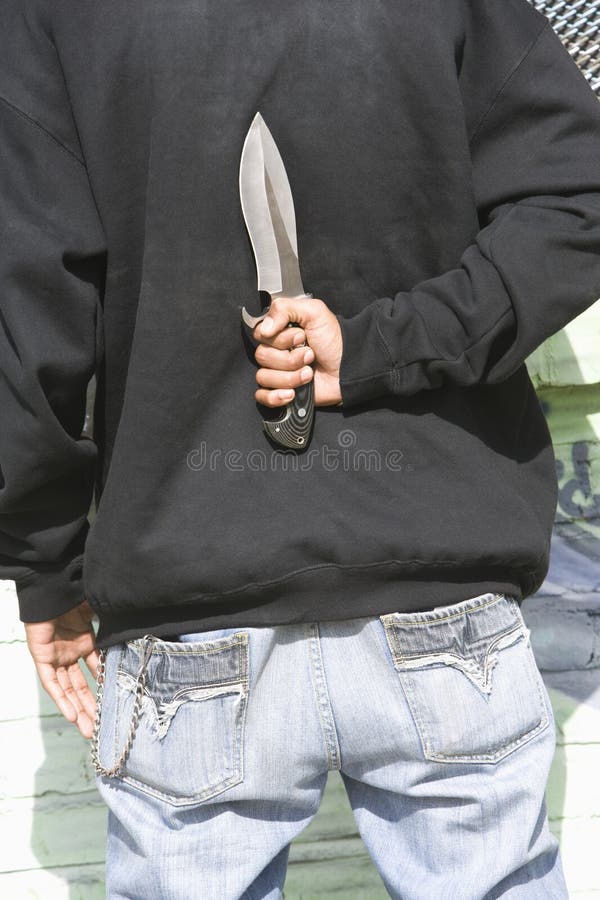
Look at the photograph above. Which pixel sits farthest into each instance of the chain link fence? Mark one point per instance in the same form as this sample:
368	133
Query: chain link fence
577	23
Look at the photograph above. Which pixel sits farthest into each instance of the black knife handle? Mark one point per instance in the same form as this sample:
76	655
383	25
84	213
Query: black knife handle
293	430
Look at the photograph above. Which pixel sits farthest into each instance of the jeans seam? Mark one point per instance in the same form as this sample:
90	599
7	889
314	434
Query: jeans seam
492	756
389	619
322	697
188	799
116	702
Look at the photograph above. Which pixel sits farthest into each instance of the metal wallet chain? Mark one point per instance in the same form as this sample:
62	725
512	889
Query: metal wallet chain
140	685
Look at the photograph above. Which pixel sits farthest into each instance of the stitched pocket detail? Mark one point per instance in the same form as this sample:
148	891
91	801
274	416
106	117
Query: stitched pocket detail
189	743
470	679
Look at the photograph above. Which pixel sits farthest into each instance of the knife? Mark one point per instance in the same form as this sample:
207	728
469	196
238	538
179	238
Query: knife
268	209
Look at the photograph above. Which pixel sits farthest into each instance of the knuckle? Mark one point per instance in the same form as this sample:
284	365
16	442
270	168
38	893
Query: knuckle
287	342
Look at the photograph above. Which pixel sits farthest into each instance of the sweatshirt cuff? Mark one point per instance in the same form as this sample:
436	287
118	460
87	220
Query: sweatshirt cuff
367	369
50	591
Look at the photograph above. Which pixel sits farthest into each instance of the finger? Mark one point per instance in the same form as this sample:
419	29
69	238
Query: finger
285	360
75	687
278	379
85	725
274	398
65	681
82	689
50	683
292	336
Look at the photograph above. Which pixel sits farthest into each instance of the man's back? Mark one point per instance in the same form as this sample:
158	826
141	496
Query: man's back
446	219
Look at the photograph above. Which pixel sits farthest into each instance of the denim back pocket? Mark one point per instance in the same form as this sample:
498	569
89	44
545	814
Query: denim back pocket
188	745
470	678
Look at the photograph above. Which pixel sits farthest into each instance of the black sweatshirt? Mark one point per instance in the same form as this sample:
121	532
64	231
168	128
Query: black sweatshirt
444	157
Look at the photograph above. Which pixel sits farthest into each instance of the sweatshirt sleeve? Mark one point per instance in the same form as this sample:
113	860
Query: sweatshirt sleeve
533	266
52	258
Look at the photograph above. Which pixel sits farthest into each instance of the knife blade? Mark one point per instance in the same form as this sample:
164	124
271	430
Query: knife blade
268	210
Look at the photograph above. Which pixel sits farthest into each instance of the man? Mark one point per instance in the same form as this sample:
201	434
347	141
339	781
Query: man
265	618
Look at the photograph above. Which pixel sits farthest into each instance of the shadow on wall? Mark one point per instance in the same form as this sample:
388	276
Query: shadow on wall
68	833
564	615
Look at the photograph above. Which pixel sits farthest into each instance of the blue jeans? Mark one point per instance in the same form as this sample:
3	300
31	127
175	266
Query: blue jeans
438	721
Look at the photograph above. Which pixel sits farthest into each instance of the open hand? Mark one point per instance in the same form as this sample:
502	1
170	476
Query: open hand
285	365
56	647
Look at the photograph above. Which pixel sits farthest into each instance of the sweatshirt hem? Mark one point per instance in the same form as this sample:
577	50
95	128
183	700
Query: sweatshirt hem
314	595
